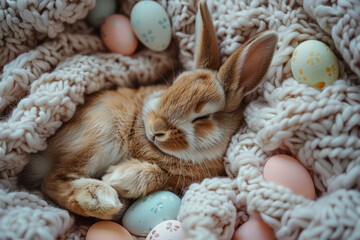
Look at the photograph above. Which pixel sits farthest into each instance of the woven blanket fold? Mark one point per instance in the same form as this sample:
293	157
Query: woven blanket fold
26	22
341	20
50	59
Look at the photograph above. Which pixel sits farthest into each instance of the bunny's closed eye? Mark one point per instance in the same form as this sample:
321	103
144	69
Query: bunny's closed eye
204	117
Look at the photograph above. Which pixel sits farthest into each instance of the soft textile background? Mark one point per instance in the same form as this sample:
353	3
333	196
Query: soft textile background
49	60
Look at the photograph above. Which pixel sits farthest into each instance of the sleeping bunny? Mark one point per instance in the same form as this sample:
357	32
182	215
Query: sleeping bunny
128	143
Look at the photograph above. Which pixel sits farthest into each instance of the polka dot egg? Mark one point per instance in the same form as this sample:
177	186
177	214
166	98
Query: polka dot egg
151	25
314	64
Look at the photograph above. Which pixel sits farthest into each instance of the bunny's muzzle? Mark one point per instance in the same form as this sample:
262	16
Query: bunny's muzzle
157	128
164	135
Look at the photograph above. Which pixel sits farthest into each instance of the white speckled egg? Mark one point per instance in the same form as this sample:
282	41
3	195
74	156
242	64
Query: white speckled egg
314	64
170	229
102	10
151	25
144	214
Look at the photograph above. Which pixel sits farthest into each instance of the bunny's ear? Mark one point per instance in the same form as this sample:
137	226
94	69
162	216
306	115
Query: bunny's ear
244	70
206	48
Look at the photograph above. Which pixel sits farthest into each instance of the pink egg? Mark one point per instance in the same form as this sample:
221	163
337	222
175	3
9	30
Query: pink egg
107	230
254	228
117	34
170	229
288	172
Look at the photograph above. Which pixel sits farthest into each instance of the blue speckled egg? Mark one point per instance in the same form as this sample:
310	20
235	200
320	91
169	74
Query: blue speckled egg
151	25
102	10
144	214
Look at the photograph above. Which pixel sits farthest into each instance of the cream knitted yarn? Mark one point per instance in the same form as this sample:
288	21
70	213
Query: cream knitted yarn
26	22
320	129
56	62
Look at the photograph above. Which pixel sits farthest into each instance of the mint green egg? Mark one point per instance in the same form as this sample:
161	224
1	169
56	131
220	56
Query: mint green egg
144	214
151	25
102	10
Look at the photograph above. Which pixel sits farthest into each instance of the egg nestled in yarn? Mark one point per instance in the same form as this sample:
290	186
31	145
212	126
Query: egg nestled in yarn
151	25
144	214
170	229
107	230
254	228
314	64
290	173
117	35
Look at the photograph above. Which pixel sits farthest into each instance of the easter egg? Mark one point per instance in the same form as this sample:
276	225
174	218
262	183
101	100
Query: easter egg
151	25
144	214
117	35
254	228
170	229
102	10
314	64
107	230
288	172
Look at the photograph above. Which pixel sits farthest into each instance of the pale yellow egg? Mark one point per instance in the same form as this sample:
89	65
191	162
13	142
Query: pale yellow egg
314	64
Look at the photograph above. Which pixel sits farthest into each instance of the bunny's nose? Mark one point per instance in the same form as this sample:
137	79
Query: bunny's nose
158	128
162	136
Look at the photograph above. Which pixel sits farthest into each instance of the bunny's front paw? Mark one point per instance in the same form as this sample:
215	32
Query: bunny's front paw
97	199
134	179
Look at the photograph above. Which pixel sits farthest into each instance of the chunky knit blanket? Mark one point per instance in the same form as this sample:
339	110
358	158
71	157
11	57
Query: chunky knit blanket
50	58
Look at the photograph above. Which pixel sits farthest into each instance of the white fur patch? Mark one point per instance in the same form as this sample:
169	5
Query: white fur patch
209	108
109	154
122	179
198	149
151	104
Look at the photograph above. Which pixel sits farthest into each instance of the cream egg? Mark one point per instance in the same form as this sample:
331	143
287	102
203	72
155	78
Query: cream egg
117	35
314	64
288	172
170	229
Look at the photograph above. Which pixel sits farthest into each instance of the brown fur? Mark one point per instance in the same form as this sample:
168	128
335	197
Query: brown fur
131	142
